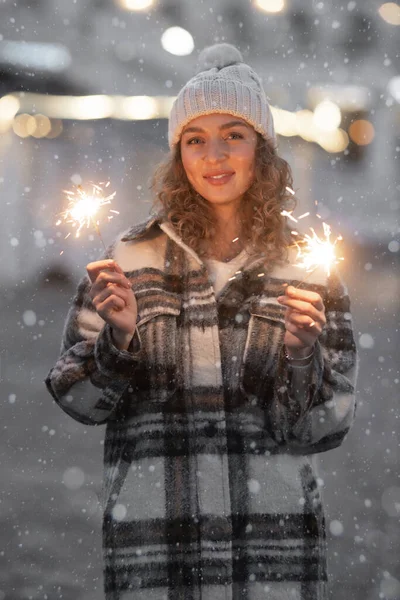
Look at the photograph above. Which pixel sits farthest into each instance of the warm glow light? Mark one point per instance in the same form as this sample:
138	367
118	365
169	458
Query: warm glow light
137	5
390	12
305	125
138	107
362	132
285	122
91	107
42	126
56	129
9	106
327	116
333	141
74	107
58	108
178	41
270	6
24	125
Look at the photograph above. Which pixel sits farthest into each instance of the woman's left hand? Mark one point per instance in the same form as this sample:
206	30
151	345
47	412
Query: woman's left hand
304	319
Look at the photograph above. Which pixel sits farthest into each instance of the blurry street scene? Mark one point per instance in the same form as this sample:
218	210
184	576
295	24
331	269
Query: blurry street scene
85	92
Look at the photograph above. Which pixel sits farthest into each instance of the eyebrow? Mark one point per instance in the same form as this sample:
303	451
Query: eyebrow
224	126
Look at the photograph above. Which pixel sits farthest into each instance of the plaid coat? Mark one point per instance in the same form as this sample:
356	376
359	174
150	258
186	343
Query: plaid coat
209	488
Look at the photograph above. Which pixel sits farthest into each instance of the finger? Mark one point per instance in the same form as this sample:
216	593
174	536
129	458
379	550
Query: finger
94	268
105	278
305	308
306	338
105	281
304	321
111	290
110	304
118	268
305	295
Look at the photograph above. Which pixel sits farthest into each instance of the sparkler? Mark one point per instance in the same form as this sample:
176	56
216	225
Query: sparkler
317	252
83	208
314	251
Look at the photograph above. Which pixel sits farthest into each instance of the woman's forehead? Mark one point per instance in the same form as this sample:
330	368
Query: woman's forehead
214	120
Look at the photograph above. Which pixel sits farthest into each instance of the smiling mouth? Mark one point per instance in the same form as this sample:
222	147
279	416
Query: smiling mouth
220	178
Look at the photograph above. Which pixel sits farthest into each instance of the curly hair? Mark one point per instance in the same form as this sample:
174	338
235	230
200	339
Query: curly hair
263	227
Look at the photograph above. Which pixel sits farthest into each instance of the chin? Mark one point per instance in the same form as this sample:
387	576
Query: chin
223	201
222	198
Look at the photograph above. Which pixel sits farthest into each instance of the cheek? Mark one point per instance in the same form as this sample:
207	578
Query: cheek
189	165
247	169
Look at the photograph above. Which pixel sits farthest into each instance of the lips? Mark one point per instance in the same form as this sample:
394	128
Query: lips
219	177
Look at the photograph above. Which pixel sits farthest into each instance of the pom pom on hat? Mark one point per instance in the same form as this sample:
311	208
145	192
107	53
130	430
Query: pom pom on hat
218	56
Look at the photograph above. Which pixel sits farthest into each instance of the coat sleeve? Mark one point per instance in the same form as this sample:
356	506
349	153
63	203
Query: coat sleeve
91	374
319	419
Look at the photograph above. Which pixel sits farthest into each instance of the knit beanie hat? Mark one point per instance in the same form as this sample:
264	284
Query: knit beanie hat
223	84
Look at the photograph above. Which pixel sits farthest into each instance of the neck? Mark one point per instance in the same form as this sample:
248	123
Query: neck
227	242
226	222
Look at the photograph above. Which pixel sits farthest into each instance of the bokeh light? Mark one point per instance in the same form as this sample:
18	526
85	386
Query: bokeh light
305	125
136	5
9	106
91	107
327	116
390	12
24	125
178	41
362	132
43	126
137	107
285	122
56	129
73	478
320	126
394	88
333	141
270	6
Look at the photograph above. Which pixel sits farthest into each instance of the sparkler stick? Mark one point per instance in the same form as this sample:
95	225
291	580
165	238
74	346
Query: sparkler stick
83	208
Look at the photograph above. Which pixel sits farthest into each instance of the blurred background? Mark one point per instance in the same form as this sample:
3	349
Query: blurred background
85	91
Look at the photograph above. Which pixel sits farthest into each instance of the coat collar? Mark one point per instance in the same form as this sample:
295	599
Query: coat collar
140	229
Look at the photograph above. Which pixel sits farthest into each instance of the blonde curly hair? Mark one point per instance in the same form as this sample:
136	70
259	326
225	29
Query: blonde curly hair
264	229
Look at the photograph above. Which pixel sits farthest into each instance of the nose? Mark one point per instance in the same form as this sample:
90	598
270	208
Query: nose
216	150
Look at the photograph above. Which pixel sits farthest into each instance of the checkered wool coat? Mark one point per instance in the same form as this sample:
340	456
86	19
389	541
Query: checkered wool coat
209	488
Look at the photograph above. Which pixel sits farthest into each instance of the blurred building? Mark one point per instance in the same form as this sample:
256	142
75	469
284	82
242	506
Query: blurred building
85	88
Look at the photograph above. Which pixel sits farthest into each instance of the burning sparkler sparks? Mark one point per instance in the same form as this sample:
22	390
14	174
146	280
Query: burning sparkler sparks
288	214
83	208
314	251
318	252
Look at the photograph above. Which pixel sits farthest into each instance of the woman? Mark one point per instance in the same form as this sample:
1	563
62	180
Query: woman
215	378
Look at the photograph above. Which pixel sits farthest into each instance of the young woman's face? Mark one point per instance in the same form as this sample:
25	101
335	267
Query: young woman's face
218	153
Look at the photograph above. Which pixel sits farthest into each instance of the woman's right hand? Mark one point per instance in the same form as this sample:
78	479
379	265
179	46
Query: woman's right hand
113	299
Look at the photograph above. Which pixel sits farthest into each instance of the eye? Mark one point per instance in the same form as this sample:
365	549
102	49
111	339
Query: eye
194	141
234	135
